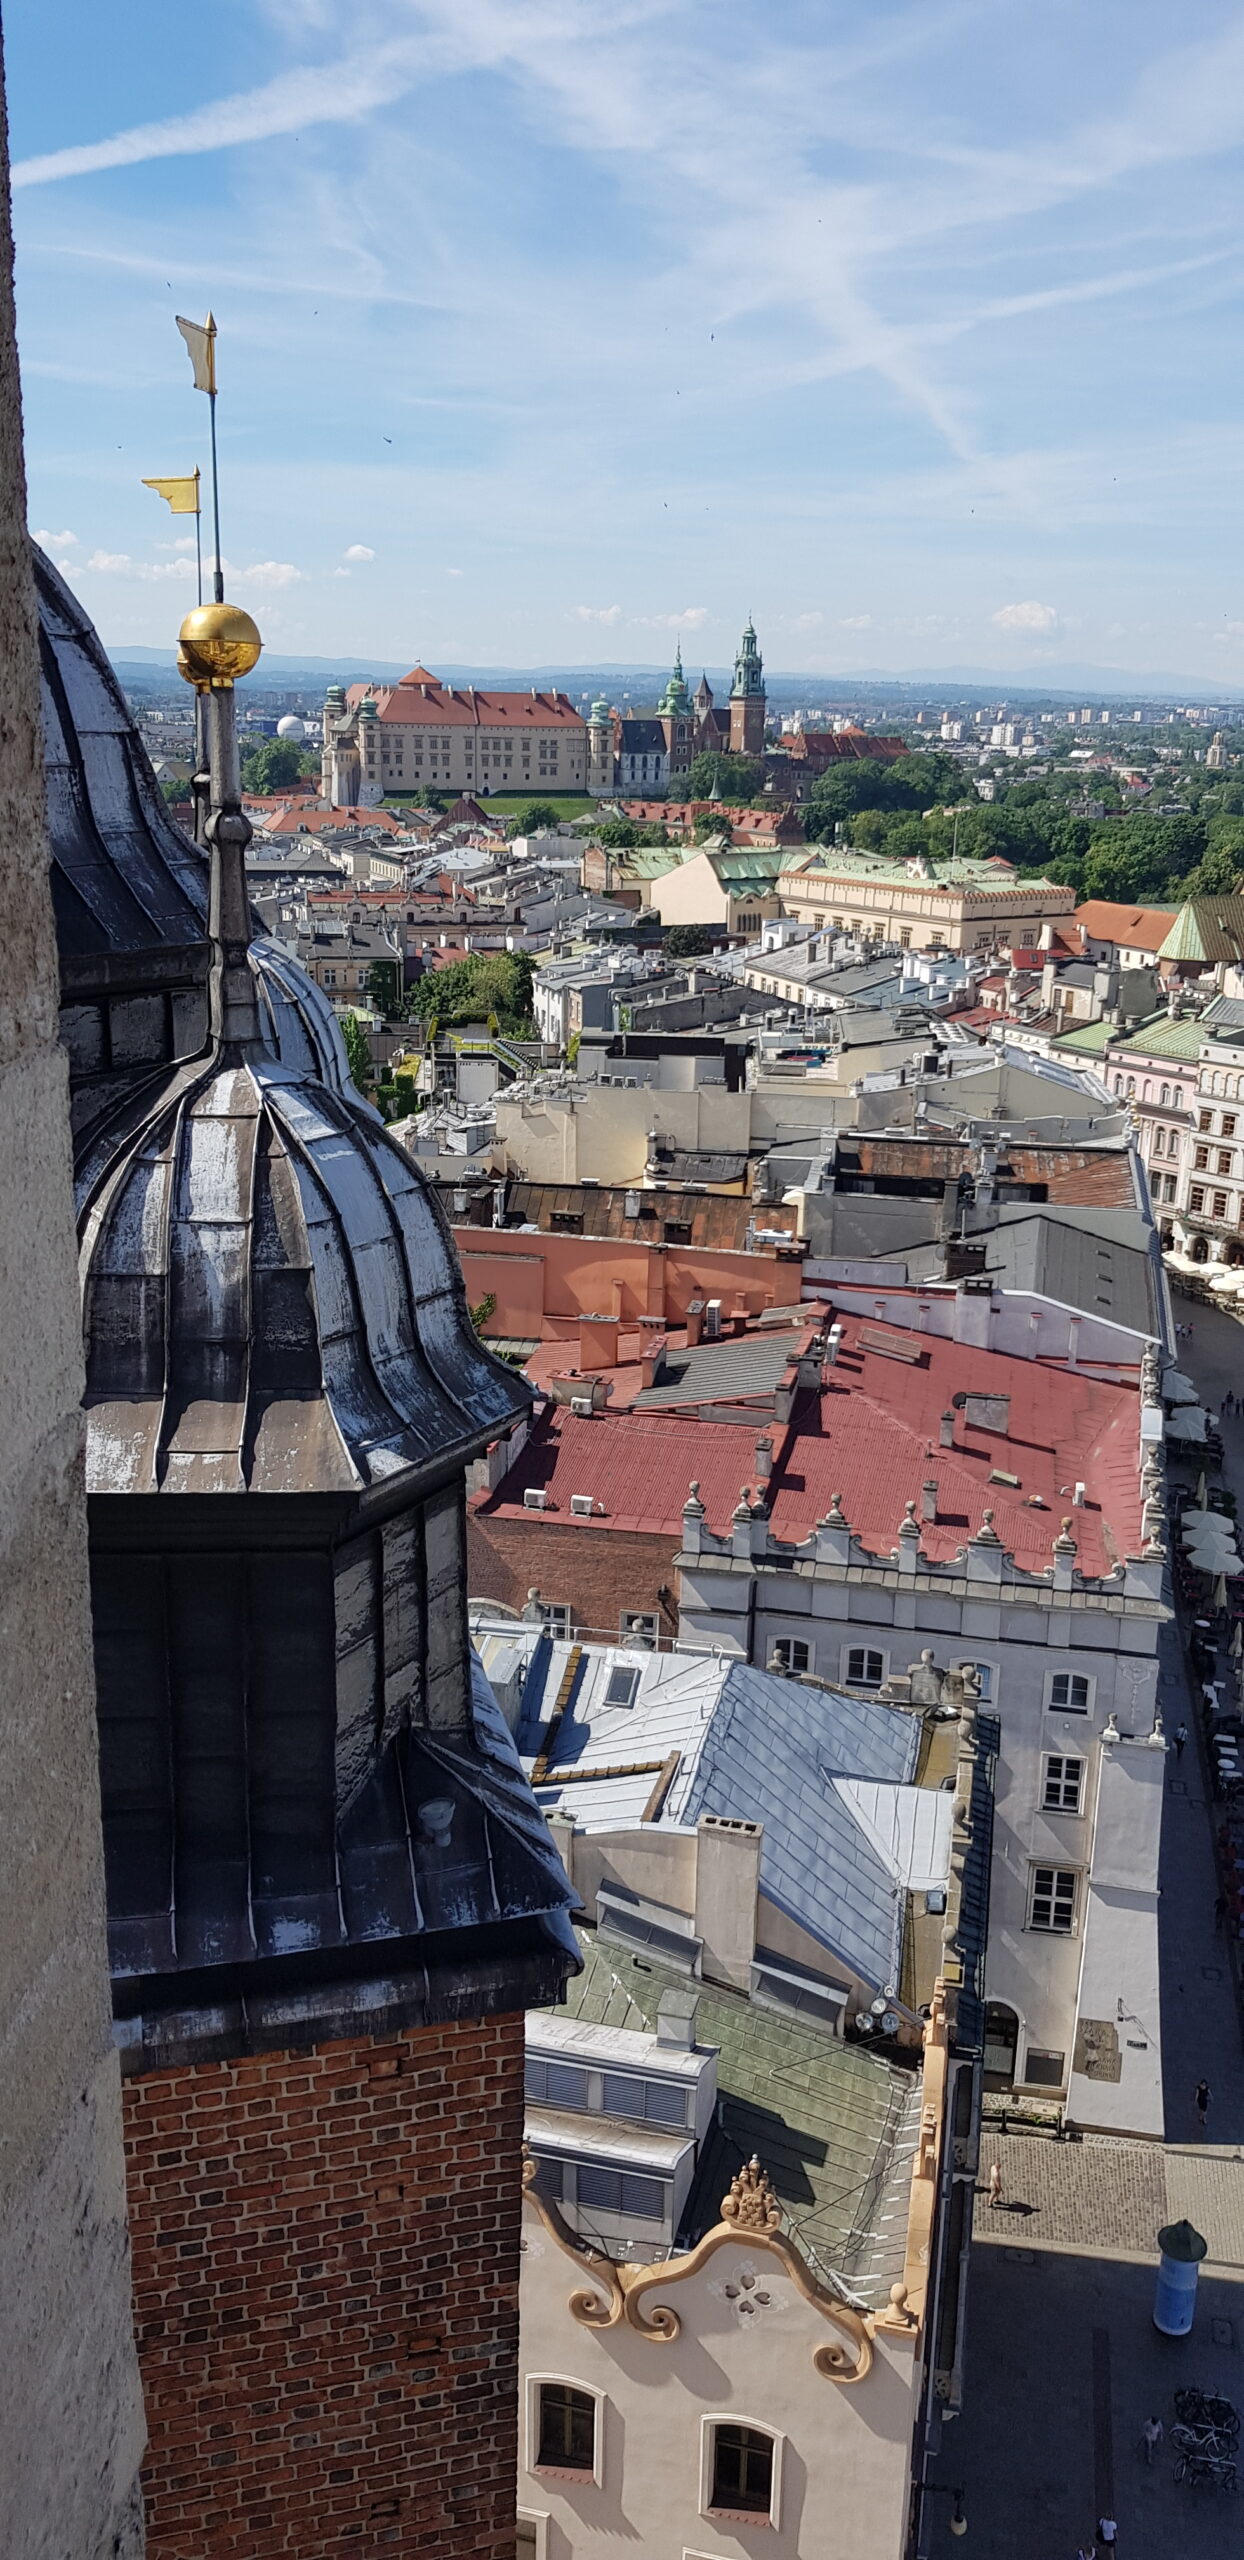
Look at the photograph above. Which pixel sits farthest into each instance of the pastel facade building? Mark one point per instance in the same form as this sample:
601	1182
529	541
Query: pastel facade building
421	735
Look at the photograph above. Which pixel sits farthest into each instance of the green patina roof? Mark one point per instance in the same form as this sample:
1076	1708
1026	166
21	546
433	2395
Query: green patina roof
832	2124
1208	929
1156	1037
962	871
650	861
1087	1041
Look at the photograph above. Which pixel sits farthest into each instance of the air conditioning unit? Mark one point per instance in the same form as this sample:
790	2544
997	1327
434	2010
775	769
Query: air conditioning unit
535	1498
583	1406
582	1505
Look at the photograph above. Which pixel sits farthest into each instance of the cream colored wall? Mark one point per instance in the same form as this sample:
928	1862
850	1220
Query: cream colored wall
602	1130
845	2452
692	894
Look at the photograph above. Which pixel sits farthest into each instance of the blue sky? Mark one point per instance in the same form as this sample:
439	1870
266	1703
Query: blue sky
551	328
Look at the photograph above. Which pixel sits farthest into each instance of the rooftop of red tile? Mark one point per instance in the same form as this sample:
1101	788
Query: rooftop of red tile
872	1437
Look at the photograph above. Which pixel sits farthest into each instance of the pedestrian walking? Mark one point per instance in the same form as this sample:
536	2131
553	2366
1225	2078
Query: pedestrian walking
995	2183
1181	1736
1202	2097
1151	2437
1107	2533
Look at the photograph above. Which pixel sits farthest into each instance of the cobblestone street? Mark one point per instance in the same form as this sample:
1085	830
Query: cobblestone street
1063	2363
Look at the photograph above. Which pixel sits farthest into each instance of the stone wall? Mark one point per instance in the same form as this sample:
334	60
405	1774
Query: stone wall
71	2428
326	2281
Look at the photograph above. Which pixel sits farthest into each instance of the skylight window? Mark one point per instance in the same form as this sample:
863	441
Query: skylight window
623	1684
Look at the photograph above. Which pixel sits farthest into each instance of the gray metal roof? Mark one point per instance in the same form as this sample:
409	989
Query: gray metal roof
1080	1266
717	1372
124	876
771	1754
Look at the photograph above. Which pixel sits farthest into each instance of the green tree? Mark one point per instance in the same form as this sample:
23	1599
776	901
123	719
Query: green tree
537	814
358	1051
487	982
719	776
484	1308
384	986
178	794
688	941
275	763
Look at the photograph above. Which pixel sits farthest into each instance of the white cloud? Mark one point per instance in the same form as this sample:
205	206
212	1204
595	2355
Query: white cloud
1029	616
120	564
606	613
453	573
55	541
856	622
358	551
692	618
807	621
269	574
266	574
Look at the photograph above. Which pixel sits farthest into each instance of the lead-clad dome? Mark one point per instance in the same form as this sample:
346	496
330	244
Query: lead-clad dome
271	1302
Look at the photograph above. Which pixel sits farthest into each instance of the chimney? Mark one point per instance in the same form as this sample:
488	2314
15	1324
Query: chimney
764	1460
598	1342
676	2016
946	1431
653	1363
695	1322
928	1499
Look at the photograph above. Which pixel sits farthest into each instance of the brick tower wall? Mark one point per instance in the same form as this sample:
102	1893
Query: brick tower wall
326	2250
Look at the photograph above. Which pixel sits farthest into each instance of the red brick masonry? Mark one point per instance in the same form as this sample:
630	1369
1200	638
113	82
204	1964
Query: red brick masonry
326	2297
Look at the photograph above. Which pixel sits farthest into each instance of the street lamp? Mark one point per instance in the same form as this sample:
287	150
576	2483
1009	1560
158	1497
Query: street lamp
958	2519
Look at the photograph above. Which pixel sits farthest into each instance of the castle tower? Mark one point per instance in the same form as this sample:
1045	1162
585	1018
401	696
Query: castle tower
599	750
747	698
330	1896
675	702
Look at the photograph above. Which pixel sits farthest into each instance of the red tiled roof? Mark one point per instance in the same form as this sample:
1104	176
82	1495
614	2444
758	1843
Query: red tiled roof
421	701
872	1437
1138	928
318	817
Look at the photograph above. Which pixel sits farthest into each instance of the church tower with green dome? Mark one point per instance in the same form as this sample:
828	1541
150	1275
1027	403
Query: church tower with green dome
675	702
747	698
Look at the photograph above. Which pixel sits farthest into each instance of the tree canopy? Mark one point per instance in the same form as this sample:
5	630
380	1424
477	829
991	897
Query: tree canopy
537	814
276	762
486	982
736	779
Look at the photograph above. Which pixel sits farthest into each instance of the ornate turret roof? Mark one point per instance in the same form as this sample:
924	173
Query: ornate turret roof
676	699
748	666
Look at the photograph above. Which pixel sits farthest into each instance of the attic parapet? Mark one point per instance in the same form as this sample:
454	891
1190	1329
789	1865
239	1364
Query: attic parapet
983	1560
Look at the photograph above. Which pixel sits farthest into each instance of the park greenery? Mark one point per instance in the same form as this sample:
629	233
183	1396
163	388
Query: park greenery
924	804
486	984
690	941
274	763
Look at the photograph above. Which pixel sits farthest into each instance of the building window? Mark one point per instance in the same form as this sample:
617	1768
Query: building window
985	1675
1171	1186
1219	1205
1205	1122
904	939
1062	1784
1228	1124
1222	1161
532	2541
566	2429
558	1617
790	1653
742	2470
1052	1899
1164	1096
1200	1159
1071	1690
556	2084
1042	2069
1196	1200
864	1667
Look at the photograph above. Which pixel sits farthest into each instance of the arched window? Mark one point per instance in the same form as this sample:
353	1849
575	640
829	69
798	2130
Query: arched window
1164	1096
740	2470
1147	1091
564	2428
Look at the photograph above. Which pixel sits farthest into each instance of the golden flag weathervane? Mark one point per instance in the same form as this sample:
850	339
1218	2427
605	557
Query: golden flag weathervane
200	337
182	498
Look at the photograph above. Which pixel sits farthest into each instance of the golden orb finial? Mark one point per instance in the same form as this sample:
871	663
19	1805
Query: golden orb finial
216	644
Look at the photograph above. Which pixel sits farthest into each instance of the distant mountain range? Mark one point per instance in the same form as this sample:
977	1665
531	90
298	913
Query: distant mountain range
1017	684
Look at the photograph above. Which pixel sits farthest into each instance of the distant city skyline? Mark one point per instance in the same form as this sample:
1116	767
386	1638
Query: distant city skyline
549	328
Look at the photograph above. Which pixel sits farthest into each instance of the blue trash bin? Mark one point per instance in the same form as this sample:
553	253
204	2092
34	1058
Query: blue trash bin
1179	2266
